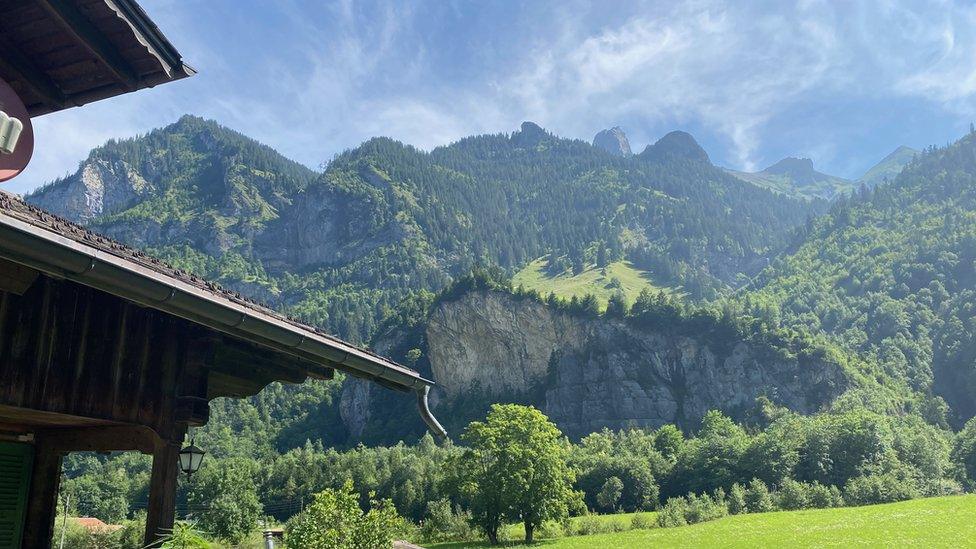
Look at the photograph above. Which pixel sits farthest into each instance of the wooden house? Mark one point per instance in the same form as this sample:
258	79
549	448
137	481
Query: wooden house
104	348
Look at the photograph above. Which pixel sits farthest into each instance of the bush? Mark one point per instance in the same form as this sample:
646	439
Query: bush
757	497
690	509
591	524
880	488
335	521
736	500
673	513
643	521
823	497
793	495
445	522
703	508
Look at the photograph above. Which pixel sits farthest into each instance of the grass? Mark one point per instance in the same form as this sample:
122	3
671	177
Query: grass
933	522
517	531
591	281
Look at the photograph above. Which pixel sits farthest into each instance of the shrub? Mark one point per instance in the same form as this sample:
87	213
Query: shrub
673	513
879	488
823	497
335	521
691	509
643	521
793	495
445	522
757	497
703	508
591	524
736	500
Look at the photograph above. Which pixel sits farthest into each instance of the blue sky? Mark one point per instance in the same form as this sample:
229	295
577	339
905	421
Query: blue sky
843	83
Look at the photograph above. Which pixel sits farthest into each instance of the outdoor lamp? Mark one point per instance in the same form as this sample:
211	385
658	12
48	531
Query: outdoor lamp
10	129
190	459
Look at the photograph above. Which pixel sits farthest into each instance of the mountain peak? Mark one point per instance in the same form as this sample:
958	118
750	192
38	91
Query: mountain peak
614	141
801	170
676	144
529	135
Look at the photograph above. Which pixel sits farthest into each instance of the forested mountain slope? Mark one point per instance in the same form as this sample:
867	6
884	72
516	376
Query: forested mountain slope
341	249
890	273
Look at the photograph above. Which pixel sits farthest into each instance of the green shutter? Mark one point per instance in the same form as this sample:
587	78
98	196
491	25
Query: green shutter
15	474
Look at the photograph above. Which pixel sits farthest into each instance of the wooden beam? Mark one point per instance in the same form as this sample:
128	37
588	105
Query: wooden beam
70	17
162	493
42	503
111	438
15	63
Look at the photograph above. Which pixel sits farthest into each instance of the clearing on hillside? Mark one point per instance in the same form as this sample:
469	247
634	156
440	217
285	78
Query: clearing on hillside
601	282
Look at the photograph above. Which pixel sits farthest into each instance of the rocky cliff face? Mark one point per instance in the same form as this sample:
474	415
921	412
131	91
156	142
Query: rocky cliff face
591	373
614	141
100	186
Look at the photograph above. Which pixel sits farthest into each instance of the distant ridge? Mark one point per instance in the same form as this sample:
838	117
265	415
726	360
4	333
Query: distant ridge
798	177
889	167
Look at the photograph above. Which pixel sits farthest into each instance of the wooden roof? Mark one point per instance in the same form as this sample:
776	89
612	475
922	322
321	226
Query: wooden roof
58	54
194	296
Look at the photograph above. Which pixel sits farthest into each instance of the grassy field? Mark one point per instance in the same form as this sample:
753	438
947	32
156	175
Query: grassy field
933	522
591	281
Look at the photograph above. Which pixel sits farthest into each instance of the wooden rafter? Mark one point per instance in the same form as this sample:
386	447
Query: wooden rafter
75	22
12	61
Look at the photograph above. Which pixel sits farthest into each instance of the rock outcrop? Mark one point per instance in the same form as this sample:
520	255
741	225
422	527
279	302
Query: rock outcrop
101	186
614	141
592	373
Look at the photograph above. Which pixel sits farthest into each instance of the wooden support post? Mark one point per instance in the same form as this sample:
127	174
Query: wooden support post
162	492
42	504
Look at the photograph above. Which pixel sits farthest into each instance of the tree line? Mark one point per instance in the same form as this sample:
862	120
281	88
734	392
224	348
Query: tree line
515	466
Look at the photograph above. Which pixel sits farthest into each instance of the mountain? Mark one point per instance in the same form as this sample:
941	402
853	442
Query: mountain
614	141
675	145
889	167
797	177
342	248
891	273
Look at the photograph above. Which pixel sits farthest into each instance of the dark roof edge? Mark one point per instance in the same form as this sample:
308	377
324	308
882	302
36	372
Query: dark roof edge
145	29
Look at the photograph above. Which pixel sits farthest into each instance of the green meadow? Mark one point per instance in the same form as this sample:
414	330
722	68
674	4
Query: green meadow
932	522
594	280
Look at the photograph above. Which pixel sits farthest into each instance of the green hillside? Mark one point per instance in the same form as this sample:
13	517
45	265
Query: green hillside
933	522
603	282
890	274
825	188
889	167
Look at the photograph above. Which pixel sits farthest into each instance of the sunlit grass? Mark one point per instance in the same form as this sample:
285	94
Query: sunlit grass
594	280
934	522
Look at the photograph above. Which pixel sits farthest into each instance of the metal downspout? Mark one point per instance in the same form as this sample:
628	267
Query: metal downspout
424	406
